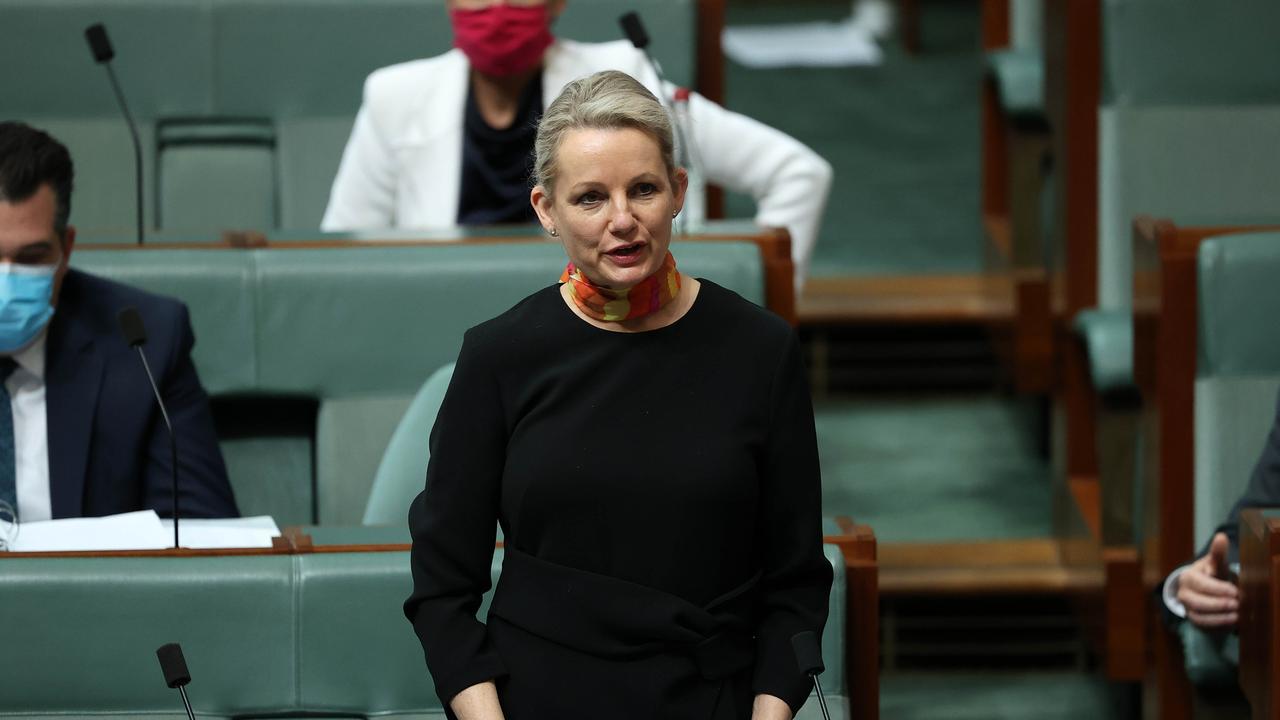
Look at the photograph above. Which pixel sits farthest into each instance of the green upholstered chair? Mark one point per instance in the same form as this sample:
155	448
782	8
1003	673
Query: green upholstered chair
404	465
1237	377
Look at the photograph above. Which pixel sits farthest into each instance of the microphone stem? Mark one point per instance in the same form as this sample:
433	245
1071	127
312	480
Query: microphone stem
822	701
137	144
173	441
186	703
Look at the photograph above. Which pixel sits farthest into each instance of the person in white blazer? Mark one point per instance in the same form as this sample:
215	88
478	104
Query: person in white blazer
402	164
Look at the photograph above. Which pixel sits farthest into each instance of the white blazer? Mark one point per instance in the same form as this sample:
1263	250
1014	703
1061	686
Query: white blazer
402	166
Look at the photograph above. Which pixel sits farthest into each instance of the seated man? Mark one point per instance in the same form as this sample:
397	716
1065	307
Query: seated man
1205	592
80	432
448	140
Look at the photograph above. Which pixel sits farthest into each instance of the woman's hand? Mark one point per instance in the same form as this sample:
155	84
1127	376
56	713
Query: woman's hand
479	702
768	707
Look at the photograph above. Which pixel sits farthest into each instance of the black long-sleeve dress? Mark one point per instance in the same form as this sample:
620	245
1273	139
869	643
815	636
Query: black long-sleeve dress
659	494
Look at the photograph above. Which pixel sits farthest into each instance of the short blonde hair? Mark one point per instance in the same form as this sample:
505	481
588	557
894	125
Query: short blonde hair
607	100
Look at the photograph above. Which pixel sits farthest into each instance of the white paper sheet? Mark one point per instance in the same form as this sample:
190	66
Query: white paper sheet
143	530
250	532
129	531
811	44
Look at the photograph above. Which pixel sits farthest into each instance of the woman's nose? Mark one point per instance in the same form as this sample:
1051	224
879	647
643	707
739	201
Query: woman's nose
622	220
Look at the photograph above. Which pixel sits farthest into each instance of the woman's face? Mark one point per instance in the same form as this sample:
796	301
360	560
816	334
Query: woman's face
613	204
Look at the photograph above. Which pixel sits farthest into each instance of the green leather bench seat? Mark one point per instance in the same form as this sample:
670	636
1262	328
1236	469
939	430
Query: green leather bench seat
1019	76
297	65
356	331
320	635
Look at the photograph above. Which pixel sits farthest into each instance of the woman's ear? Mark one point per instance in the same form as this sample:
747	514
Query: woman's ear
680	186
540	199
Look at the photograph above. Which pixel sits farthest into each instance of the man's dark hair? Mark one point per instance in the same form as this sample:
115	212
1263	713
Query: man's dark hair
30	158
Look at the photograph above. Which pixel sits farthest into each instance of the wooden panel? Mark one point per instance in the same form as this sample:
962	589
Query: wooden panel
1260	613
710	81
862	617
1126	615
907	299
985	567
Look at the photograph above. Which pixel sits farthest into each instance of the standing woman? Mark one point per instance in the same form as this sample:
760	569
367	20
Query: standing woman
646	441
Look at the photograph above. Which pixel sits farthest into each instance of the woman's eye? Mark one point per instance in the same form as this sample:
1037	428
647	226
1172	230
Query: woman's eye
646	189
589	198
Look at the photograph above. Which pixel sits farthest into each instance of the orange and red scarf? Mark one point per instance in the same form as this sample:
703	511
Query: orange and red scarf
644	298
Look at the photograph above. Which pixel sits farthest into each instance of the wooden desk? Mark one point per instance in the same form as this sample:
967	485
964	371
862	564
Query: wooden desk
1260	611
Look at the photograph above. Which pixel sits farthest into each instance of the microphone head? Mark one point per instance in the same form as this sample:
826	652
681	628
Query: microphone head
633	28
808	652
99	43
131	327
173	665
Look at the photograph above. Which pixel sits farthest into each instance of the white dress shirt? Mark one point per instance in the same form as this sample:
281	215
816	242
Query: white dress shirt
30	432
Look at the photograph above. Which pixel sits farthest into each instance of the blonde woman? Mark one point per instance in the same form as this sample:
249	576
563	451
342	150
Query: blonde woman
646	441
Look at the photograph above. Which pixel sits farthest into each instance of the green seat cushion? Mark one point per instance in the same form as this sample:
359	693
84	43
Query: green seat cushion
1212	659
217	174
1108	341
1019	76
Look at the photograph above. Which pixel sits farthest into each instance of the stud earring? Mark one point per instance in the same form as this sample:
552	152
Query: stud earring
674	213
552	232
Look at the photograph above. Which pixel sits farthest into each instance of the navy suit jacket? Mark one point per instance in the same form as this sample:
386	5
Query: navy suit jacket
1263	489
108	448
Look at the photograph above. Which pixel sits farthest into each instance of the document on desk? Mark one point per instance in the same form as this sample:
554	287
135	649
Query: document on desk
129	531
143	530
250	532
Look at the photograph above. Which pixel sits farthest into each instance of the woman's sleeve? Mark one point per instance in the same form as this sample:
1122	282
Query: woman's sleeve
797	576
363	192
789	181
453	523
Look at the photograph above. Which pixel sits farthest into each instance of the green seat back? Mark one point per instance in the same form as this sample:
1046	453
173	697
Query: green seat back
403	469
1192	141
1237	368
92	626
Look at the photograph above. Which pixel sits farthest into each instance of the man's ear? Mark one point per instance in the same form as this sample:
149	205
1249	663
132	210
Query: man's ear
68	243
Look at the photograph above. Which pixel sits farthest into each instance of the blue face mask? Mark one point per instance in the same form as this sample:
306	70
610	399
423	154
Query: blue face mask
25	294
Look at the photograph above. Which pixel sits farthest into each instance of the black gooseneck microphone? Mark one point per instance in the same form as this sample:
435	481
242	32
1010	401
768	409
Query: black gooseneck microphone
175	671
633	28
809	659
100	46
136	335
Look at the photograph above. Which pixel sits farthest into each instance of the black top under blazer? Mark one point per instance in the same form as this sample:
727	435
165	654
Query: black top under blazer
659	494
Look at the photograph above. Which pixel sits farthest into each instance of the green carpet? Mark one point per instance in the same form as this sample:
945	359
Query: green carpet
903	139
930	468
993	696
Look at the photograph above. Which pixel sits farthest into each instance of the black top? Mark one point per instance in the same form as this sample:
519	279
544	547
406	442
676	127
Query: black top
680	462
498	163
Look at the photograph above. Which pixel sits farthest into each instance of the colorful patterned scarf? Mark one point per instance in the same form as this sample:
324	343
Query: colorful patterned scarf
646	297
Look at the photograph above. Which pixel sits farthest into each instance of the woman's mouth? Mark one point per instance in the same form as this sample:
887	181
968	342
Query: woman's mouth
626	255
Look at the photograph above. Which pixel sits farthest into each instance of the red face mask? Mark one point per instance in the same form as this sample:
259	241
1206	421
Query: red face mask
502	39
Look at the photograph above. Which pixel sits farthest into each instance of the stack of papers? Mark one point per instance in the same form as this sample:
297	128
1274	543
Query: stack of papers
813	44
143	530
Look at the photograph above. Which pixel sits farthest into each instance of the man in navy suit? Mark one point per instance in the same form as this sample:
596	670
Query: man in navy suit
80	432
